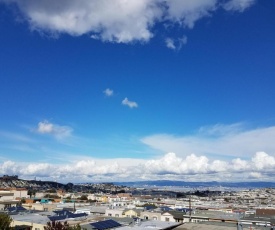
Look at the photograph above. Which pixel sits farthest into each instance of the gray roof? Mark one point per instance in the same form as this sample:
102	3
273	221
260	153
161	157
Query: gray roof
215	226
151	224
208	226
31	218
213	215
98	209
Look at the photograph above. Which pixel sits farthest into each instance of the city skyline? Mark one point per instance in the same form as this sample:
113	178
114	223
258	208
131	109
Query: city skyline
137	90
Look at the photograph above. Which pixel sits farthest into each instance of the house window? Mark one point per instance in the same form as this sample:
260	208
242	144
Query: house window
146	218
167	219
109	214
155	218
116	215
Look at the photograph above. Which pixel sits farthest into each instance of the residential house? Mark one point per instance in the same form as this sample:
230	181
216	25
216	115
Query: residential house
9	203
172	216
6	195
150	215
132	212
113	212
35	222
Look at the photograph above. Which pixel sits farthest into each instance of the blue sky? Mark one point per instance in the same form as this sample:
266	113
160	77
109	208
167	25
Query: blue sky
133	90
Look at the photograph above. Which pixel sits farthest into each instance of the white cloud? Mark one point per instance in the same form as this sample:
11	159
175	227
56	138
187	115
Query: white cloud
57	131
170	43
110	20
176	44
15	137
131	104
170	166
187	12
238	5
120	21
218	140
263	161
255	175
108	92
221	129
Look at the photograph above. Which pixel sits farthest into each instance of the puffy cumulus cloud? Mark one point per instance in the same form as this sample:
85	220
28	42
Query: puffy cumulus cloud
263	161
170	166
218	166
9	167
255	175
176	44
219	140
59	132
38	169
239	165
109	20
108	92
121	21
238	5
127	102
187	12
170	163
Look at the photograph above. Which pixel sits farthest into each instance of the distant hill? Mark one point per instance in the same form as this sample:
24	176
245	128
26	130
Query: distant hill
168	183
15	182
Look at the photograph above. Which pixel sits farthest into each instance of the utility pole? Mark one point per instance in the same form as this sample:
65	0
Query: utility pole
239	226
190	210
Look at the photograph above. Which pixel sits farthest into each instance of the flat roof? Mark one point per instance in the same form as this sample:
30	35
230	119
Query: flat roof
31	218
151	224
10	202
195	226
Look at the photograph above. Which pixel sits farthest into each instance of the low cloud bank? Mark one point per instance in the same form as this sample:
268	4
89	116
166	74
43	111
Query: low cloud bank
190	168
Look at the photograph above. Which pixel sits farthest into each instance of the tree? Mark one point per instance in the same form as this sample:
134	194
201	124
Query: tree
52	190
5	222
31	192
84	197
61	226
76	227
57	226
91	201
52	196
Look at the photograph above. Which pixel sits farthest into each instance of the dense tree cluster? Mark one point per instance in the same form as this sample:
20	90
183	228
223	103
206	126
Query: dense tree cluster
61	226
5	222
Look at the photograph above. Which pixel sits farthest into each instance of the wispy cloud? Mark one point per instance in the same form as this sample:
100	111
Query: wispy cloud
108	92
219	140
219	152
15	136
131	104
176	44
116	20
59	132
170	43
238	5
